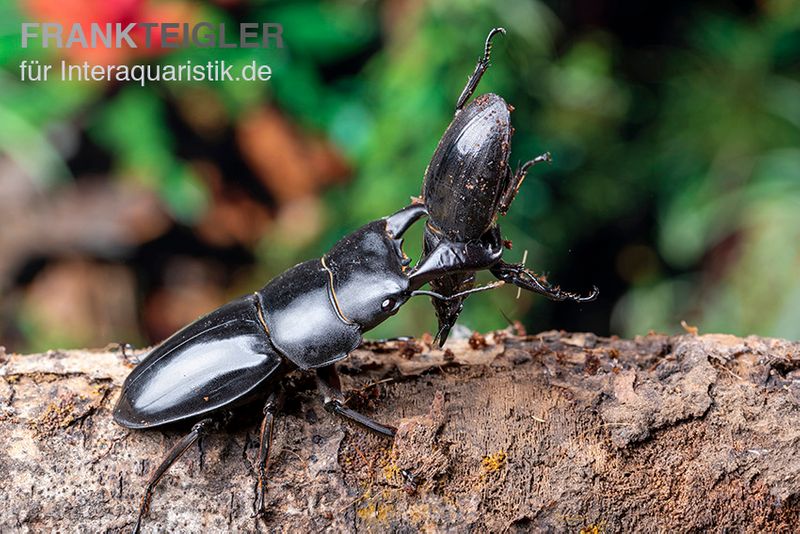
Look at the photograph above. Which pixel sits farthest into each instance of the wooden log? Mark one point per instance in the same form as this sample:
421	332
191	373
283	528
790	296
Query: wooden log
553	432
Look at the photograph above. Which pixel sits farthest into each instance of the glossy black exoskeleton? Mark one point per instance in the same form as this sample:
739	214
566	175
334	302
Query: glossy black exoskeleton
307	318
467	183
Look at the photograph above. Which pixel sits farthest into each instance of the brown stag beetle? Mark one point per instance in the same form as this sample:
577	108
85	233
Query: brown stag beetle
307	318
467	183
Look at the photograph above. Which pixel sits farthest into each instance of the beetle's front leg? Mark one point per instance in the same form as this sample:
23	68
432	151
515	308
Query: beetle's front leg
271	407
198	430
330	386
524	278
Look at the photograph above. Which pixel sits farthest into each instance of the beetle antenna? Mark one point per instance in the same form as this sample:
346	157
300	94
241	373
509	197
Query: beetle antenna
505	316
460	294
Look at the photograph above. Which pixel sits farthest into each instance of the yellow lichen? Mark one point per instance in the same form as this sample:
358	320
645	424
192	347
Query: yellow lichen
58	415
375	512
419	513
390	471
493	462
597	528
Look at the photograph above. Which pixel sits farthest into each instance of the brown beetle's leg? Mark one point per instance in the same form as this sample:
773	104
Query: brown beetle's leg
480	69
333	399
521	277
516	181
198	430
271	408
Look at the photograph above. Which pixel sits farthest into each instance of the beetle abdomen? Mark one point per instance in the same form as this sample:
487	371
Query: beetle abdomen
469	169
220	360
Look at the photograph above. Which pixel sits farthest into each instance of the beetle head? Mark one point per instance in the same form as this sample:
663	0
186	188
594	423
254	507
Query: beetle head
368	270
450	257
370	277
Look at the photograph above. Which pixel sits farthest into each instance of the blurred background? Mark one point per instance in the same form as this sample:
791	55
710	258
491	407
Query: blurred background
126	212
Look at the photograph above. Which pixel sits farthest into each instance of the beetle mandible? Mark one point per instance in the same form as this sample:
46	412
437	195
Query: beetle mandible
467	183
307	318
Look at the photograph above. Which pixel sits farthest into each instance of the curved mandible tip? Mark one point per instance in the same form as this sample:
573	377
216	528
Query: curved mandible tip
556	293
400	221
573	296
595	292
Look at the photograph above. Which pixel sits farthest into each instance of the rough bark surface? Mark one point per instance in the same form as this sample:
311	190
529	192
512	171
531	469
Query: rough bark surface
553	432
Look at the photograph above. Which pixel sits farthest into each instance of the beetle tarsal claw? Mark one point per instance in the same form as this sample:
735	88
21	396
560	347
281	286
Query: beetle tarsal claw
487	49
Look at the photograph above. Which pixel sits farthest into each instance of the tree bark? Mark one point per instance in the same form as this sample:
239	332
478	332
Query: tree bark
553	432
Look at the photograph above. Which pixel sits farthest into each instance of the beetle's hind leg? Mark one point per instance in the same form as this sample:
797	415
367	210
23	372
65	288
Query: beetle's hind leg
516	181
480	69
198	430
271	408
333	399
521	277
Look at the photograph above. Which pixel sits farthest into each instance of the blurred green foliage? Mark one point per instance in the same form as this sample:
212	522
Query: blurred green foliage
675	184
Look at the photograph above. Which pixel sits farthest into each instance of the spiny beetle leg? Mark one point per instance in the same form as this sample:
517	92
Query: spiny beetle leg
333	399
480	69
271	408
198	430
516	181
521	277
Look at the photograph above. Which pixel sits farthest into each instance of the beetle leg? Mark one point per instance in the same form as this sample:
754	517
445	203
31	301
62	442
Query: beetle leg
129	358
521	277
271	408
516	181
333	399
480	69
198	430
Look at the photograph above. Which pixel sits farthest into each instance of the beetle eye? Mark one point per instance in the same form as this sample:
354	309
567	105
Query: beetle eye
387	304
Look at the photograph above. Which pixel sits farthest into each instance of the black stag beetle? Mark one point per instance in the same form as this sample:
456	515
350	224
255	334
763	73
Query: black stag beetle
467	183
307	318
